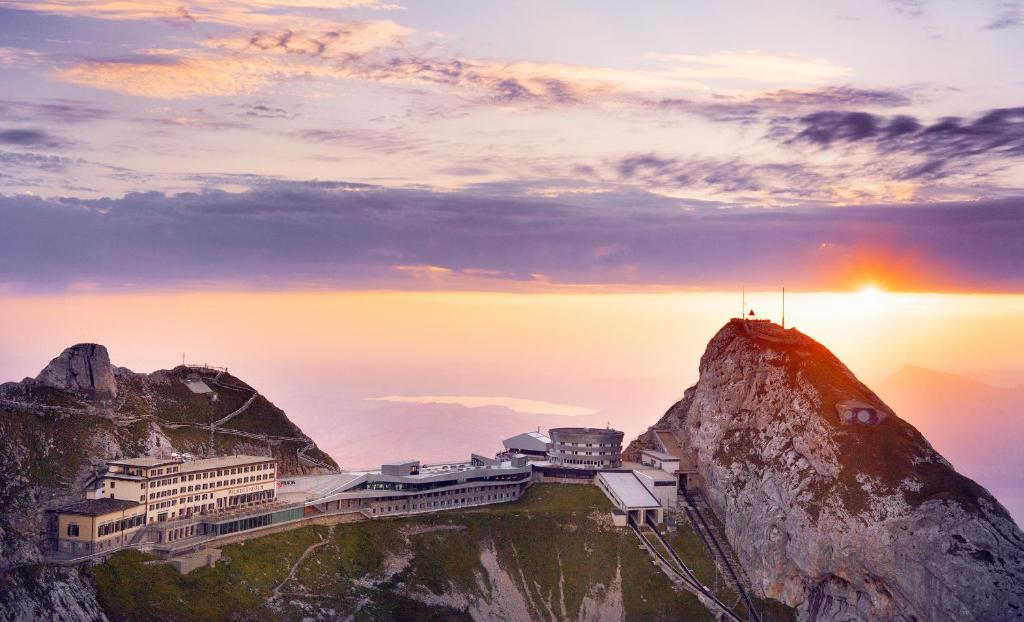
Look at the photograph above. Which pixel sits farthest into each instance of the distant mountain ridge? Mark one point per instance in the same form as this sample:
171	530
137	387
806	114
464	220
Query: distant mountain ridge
979	427
57	428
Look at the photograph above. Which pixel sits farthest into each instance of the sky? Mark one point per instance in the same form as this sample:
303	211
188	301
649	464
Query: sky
528	146
421	208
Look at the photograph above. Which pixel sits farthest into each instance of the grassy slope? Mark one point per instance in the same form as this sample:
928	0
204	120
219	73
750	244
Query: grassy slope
547	542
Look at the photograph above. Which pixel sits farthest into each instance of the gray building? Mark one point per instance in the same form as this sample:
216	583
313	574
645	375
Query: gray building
593	448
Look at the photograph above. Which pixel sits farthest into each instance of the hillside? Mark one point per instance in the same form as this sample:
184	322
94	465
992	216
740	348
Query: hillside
842	518
552	555
80	410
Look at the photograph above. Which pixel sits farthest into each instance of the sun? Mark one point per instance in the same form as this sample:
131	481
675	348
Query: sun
870	293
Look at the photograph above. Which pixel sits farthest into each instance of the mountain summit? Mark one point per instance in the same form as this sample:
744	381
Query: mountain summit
833	503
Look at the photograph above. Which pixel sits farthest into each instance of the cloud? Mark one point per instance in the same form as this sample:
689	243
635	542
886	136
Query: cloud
1010	15
751	109
722	175
229	12
30	138
171	77
948	142
753	66
57	110
329	235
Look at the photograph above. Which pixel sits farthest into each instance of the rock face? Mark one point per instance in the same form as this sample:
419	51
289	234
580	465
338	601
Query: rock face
83	369
844	522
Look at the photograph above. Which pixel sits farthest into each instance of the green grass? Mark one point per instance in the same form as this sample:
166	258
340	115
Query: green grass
235	589
548	543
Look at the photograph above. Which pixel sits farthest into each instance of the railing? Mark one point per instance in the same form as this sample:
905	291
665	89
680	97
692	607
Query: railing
721	555
683	572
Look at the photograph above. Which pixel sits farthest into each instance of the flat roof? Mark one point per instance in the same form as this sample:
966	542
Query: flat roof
223	462
657	474
630	491
309	487
193	465
146	461
660	455
97	507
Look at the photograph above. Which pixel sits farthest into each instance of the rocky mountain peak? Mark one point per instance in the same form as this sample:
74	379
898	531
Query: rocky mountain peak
84	369
834	504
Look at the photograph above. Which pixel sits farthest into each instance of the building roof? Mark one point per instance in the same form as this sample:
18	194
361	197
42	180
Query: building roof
145	461
660	455
656	474
669	442
528	441
629	490
188	466
198	386
97	507
223	462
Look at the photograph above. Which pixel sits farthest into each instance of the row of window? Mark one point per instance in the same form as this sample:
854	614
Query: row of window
191	477
425	505
120	525
211	485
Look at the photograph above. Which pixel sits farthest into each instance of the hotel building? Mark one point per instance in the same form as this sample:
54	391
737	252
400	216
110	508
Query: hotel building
173	488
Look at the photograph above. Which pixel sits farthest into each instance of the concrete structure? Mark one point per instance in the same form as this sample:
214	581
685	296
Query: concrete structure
534	445
187	563
599	448
631	496
663	486
666	444
855	412
659	460
411	488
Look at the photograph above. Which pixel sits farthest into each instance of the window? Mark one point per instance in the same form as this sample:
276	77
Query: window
73	530
112	483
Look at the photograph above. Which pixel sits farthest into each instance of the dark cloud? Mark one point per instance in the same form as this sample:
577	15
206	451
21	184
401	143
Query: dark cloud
782	102
264	111
1010	15
59	110
948	142
349	235
30	138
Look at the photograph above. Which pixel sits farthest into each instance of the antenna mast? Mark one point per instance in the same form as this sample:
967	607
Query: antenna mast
743	303
783	307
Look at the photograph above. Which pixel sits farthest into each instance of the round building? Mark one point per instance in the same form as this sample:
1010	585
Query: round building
587	448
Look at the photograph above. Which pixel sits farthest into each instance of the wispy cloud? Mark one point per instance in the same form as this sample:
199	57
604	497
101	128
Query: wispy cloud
230	12
753	66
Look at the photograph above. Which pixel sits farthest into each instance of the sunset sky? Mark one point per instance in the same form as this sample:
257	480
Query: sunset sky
363	206
529	146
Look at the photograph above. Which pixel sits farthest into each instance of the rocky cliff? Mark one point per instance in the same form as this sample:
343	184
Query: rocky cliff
56	429
833	503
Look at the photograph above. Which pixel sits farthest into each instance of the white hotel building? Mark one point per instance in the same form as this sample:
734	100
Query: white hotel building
172	489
